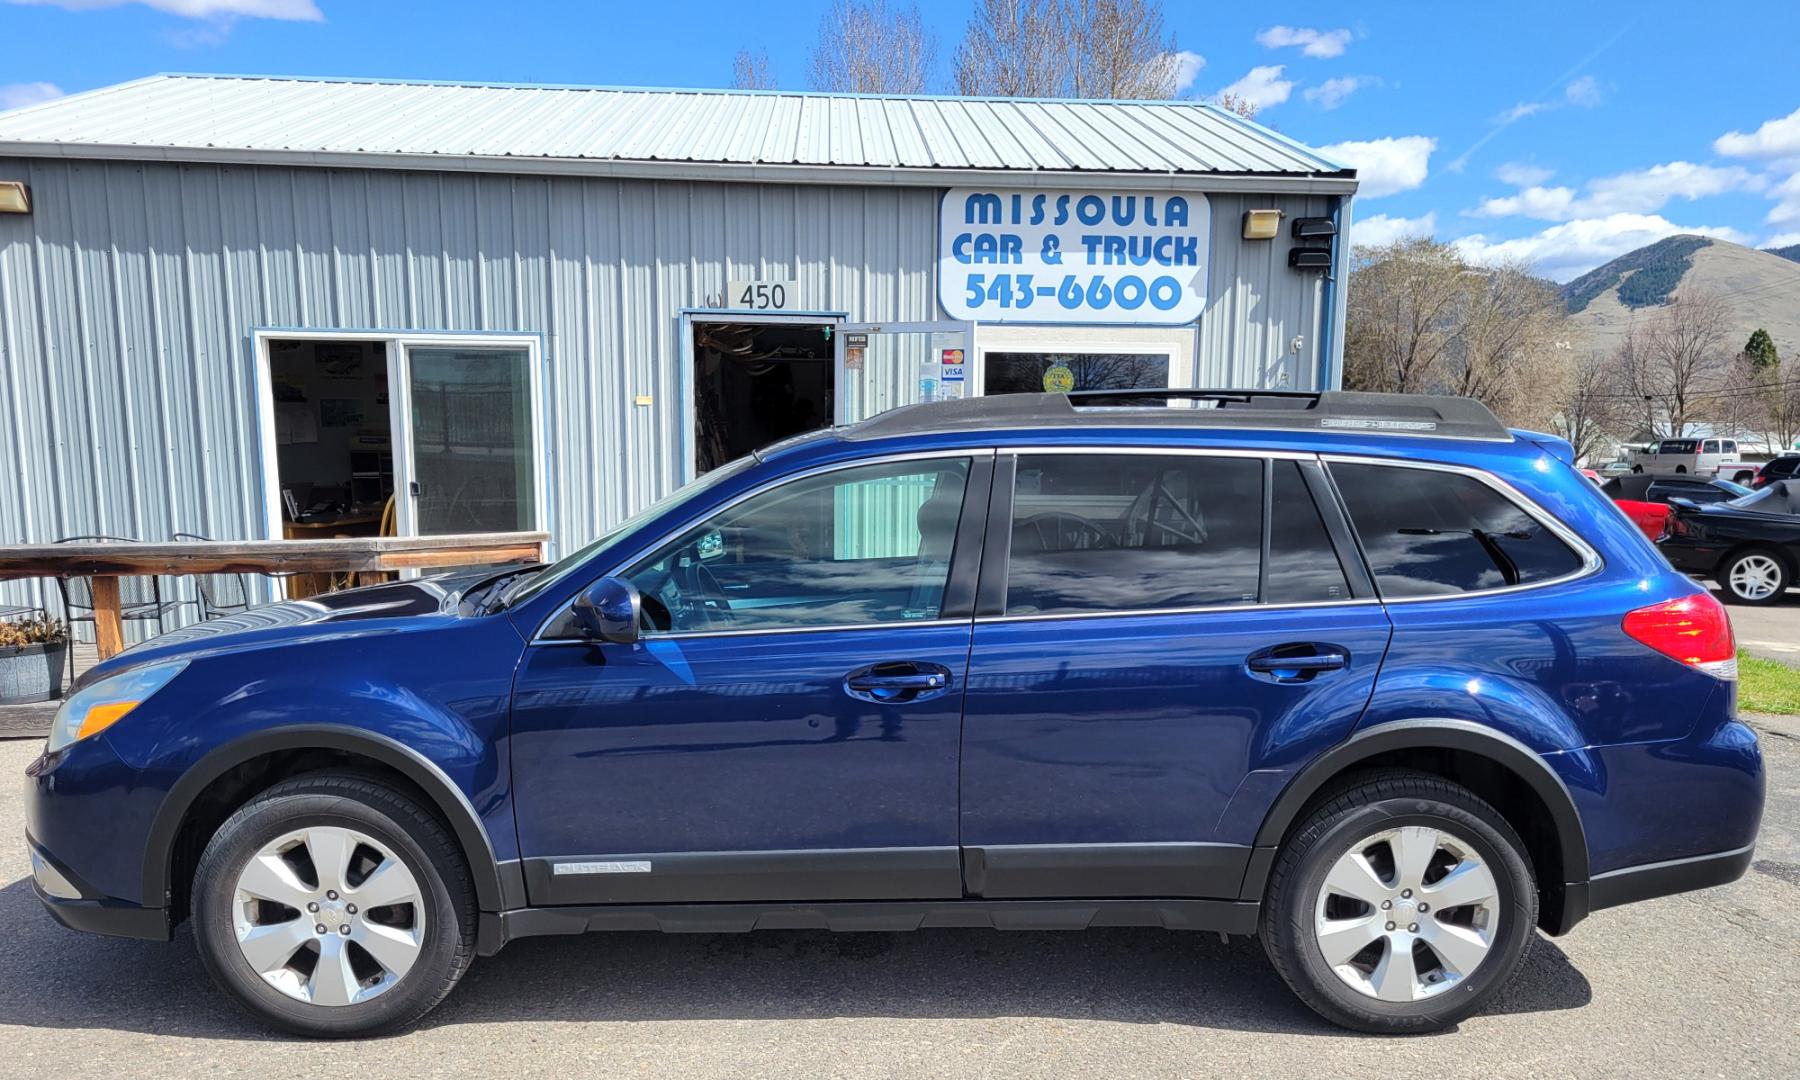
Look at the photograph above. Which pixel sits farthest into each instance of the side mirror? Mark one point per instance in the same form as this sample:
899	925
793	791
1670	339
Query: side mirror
609	611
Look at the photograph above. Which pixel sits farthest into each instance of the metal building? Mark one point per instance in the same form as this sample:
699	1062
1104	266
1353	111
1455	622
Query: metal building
244	307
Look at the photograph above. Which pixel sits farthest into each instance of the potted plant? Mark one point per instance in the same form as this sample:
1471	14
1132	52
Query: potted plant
33	653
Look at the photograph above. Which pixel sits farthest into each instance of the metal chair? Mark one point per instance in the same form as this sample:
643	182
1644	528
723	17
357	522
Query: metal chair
216	601
78	596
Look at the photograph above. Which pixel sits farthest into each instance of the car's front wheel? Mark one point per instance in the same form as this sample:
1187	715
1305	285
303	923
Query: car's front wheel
333	905
1754	576
1400	905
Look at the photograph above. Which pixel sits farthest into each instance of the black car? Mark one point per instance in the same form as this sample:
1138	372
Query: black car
1643	487
1751	546
1781	467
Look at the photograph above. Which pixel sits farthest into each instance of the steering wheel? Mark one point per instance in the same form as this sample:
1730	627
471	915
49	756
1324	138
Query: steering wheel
700	599
1070	532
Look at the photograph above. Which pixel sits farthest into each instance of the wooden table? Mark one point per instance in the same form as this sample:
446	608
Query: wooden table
107	563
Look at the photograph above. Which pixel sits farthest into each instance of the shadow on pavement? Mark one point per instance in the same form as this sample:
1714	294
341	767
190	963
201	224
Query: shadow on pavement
56	978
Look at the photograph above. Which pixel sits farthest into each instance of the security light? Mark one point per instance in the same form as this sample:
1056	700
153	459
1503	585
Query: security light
1262	224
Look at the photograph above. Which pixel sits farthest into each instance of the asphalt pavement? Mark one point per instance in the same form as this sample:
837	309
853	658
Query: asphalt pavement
1706	984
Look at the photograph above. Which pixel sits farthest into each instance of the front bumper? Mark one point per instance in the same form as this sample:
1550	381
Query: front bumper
73	903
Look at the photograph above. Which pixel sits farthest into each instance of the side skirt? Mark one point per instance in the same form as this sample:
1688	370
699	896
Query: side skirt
1223	916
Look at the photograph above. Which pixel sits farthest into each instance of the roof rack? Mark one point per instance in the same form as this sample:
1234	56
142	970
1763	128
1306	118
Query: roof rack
1351	412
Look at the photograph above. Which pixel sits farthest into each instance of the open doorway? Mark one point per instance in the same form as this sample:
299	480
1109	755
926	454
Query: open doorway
756	383
333	437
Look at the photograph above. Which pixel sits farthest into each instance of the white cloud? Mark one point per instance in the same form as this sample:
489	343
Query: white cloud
1774	139
1584	92
1331	93
1381	229
1261	87
19	95
1520	111
1323	44
1522	174
1787	205
1187	68
295	10
1384	166
1568	250
1639	192
1784	239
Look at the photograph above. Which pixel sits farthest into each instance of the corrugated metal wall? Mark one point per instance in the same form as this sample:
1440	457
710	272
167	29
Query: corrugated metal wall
128	297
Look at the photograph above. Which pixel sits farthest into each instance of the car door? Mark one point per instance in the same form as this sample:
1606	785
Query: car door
1156	633
787	726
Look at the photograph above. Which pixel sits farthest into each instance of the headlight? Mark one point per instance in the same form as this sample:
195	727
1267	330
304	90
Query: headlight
103	704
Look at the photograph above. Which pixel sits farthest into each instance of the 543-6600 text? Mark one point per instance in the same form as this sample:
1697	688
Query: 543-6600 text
1127	293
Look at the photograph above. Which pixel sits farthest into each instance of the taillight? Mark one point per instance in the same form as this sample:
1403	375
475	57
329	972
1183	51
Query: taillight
1692	629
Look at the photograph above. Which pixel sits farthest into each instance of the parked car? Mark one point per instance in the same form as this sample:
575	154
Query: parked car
1615	468
1780	467
1645	499
1696	457
1368	677
1749	545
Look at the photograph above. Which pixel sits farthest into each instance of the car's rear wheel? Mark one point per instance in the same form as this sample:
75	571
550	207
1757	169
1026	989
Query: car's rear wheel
333	905
1402	904
1754	576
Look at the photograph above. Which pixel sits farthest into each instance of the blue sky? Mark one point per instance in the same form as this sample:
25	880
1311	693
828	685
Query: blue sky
1560	133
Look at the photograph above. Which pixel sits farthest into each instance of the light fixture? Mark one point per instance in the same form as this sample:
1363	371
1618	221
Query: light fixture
13	197
1314	228
1262	224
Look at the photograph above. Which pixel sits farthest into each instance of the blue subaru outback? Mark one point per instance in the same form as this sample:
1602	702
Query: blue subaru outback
1370	677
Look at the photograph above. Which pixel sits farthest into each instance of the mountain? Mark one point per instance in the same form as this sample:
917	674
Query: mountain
1790	253
1762	288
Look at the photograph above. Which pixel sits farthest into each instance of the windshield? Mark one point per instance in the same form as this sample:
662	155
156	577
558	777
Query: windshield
527	587
1732	486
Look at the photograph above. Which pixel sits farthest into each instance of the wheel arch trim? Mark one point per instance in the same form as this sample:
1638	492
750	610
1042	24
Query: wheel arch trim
445	795
1436	734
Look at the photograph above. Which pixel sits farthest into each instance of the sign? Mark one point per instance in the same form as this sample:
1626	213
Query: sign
762	295
855	347
1058	379
952	370
1092	257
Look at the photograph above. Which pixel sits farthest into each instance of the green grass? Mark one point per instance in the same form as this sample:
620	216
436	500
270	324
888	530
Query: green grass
1767	686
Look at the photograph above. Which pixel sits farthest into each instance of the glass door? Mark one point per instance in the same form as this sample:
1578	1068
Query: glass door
472	438
883	366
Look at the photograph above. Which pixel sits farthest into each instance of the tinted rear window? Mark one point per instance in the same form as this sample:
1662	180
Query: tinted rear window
1303	566
1433	533
1123	532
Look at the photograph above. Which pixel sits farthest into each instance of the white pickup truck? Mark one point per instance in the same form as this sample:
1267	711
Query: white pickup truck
1699	457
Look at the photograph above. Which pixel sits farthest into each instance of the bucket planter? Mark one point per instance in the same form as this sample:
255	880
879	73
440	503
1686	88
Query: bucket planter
33	658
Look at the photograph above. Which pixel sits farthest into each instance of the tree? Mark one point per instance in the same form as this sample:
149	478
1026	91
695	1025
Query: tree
1760	351
1012	48
1588	414
1068	48
750	71
1243	106
1421	319
1677	362
1781	405
865	47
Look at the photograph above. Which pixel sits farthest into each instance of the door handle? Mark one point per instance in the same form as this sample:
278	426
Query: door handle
1298	662
897	682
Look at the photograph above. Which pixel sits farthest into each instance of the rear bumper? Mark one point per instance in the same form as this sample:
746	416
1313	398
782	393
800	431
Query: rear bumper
1630	884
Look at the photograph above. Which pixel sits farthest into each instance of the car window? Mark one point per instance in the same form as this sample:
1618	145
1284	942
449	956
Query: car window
857	546
1727	446
1711	447
1303	564
1122	532
1677	446
1783	466
1427	532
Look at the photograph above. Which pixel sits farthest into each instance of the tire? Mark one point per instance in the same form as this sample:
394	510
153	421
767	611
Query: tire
1637	468
267	849
1744	575
1681	470
1300	913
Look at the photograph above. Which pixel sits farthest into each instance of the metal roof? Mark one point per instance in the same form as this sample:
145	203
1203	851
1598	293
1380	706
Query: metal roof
696	134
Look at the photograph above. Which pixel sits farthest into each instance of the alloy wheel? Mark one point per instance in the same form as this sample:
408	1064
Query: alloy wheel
1407	913
329	915
1755	577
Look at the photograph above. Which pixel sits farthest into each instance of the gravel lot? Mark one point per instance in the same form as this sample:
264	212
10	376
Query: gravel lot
1701	985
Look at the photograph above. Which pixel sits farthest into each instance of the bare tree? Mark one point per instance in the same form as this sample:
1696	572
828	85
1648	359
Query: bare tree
1676	362
1068	48
1511	350
1588	413
866	47
750	71
1118	49
1243	106
1402	322
1012	48
1781	405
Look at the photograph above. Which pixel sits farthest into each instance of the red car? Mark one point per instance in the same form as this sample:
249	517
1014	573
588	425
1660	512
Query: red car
1645	498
